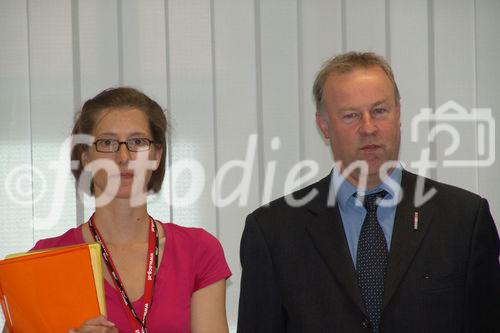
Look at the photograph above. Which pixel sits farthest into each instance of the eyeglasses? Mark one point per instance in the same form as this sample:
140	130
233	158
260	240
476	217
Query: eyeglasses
112	145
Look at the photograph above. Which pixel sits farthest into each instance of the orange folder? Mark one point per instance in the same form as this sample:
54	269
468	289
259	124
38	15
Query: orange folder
52	290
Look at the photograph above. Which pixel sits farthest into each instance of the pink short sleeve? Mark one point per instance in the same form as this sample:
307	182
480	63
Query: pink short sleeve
70	237
211	265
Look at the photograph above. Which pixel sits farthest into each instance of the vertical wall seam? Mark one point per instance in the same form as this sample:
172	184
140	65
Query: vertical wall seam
388	30
214	111
432	78
30	105
119	33
75	29
258	83
169	97
77	95
343	25
475	92
300	83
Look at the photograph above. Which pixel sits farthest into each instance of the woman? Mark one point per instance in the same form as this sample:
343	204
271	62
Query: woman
187	292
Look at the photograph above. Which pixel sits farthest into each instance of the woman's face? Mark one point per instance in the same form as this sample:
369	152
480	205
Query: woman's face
123	174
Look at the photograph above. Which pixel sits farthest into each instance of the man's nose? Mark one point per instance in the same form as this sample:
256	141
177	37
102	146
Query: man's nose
368	125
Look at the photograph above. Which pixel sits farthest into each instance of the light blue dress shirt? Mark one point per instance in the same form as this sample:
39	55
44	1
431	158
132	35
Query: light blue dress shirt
353	213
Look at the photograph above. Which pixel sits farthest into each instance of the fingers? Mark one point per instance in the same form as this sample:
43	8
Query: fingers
98	324
101	320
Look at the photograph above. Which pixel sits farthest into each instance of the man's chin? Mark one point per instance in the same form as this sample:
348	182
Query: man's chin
368	169
371	175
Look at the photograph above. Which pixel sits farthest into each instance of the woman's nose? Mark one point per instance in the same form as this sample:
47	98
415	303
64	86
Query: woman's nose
123	154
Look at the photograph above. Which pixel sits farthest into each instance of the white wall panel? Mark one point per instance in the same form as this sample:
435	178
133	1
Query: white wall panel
129	41
365	26
148	68
16	228
409	61
488	72
279	89
454	57
97	61
236	123
321	38
191	106
98	46
52	108
145	67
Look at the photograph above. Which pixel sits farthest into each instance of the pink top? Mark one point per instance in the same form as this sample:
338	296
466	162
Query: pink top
192	259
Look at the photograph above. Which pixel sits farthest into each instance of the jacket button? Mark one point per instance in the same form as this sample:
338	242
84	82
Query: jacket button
366	323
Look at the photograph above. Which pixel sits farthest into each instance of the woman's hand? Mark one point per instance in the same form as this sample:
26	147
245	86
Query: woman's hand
96	325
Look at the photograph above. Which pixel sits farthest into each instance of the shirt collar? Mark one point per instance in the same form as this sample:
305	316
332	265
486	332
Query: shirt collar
344	190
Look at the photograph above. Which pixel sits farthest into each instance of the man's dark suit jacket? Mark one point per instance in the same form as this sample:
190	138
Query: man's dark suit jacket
298	275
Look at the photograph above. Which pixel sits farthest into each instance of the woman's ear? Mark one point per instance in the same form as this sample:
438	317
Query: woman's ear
158	154
84	157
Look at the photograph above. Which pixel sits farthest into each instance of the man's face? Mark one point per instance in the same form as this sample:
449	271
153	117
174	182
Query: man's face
361	120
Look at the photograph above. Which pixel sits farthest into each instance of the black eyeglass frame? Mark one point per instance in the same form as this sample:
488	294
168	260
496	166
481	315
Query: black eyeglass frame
126	143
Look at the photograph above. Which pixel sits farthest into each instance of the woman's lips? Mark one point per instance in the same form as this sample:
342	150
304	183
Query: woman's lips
126	175
122	175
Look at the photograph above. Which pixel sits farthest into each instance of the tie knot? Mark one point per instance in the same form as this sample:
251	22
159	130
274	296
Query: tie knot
370	200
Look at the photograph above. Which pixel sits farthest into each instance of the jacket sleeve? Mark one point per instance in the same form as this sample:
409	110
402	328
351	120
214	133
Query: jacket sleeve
483	276
260	306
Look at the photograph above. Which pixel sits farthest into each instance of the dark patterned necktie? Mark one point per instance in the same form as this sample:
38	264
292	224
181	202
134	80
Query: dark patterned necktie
371	262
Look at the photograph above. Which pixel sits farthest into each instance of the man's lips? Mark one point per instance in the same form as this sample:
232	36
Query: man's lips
370	147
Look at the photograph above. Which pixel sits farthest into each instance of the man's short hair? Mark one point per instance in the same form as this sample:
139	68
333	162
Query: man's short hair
346	63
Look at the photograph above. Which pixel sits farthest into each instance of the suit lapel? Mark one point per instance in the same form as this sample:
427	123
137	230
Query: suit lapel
328	236
405	239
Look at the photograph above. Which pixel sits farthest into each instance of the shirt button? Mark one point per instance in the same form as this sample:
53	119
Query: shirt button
366	323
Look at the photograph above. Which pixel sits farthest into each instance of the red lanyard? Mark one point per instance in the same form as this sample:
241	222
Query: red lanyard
138	325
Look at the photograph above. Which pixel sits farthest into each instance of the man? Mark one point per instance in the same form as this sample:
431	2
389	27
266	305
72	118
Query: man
360	250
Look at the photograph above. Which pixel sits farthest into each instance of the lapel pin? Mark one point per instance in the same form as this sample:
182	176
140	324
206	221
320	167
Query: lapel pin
415	221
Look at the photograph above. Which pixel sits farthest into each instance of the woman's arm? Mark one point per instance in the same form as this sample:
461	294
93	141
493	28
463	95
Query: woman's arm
208	309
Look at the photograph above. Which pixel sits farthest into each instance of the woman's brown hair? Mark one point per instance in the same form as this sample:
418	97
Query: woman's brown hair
122	97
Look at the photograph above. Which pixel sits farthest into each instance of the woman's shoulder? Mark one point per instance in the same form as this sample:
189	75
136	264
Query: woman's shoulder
193	236
71	237
201	248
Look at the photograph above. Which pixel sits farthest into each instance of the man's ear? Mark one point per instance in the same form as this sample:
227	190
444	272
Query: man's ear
323	125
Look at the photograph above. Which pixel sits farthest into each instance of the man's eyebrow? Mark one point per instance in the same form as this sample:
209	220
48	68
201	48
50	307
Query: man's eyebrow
385	100
347	109
354	108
